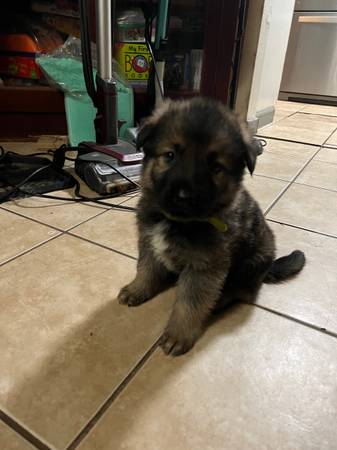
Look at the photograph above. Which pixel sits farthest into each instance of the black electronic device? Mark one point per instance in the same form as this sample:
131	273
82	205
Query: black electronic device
30	175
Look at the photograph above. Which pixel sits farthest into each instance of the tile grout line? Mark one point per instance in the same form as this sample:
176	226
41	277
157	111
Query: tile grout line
270	178
112	208
316	114
298	174
23	432
30	218
28	250
282	118
294	319
297	182
101	245
315	187
113	396
272	204
309	230
102	211
61	233
290	140
330	147
65	233
86	220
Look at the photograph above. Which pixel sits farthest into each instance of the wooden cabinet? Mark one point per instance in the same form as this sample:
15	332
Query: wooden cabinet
40	110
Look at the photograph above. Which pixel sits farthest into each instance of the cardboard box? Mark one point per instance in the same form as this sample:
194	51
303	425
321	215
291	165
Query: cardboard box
134	59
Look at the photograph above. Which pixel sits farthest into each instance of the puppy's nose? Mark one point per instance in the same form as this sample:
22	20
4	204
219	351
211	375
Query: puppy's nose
183	194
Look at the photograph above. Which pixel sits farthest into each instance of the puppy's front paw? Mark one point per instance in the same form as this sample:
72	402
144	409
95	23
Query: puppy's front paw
176	341
128	296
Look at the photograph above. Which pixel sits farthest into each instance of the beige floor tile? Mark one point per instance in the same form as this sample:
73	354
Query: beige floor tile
307	207
290	106
311	296
279	115
65	342
57	213
321	109
264	190
282	159
293	150
10	440
332	141
19	234
328	155
133	201
319	174
254	381
284	109
310	128
114	229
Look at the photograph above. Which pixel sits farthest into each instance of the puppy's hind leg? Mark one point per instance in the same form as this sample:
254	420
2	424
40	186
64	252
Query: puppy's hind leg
151	279
243	283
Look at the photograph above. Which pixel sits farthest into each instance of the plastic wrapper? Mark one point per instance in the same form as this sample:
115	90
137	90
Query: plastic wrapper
130	25
63	68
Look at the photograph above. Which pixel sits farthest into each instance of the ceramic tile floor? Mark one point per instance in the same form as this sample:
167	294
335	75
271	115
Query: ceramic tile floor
79	371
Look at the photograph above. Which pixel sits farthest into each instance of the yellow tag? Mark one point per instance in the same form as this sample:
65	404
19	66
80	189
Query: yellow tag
215	221
218	224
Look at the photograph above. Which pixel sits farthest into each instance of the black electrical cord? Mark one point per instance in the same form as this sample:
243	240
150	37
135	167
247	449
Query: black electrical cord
148	34
86	51
81	198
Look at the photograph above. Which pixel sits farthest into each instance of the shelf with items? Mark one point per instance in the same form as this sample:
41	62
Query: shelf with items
182	54
197	28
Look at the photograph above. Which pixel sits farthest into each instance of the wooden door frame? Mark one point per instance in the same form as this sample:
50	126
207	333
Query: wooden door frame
220	35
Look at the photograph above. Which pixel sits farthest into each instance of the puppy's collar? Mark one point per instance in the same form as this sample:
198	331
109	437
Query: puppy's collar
215	221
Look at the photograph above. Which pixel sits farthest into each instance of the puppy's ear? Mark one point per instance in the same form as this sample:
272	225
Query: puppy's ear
250	157
149	128
145	133
251	151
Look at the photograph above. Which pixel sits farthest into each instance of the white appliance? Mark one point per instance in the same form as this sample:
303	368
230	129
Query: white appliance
310	70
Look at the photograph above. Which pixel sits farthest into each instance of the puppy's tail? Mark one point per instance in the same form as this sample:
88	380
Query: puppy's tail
285	267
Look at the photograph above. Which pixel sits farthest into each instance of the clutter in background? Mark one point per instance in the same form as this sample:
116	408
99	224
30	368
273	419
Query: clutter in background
24	36
48	23
63	69
182	65
131	50
21	40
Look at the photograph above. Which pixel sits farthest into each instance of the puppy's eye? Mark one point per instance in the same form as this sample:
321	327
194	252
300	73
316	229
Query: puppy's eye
169	156
217	168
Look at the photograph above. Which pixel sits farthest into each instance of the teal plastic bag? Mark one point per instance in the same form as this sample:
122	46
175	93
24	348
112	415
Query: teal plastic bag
63	68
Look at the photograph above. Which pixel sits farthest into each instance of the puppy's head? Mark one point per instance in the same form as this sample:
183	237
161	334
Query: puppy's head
195	152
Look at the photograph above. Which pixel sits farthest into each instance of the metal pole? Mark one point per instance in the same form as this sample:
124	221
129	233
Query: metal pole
104	39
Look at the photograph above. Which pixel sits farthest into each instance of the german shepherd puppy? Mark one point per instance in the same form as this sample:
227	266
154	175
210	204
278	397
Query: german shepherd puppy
198	226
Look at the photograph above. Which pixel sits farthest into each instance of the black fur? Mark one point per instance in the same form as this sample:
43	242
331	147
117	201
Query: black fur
196	153
285	267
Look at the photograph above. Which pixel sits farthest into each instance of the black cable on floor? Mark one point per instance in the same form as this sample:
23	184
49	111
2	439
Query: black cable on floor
81	198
